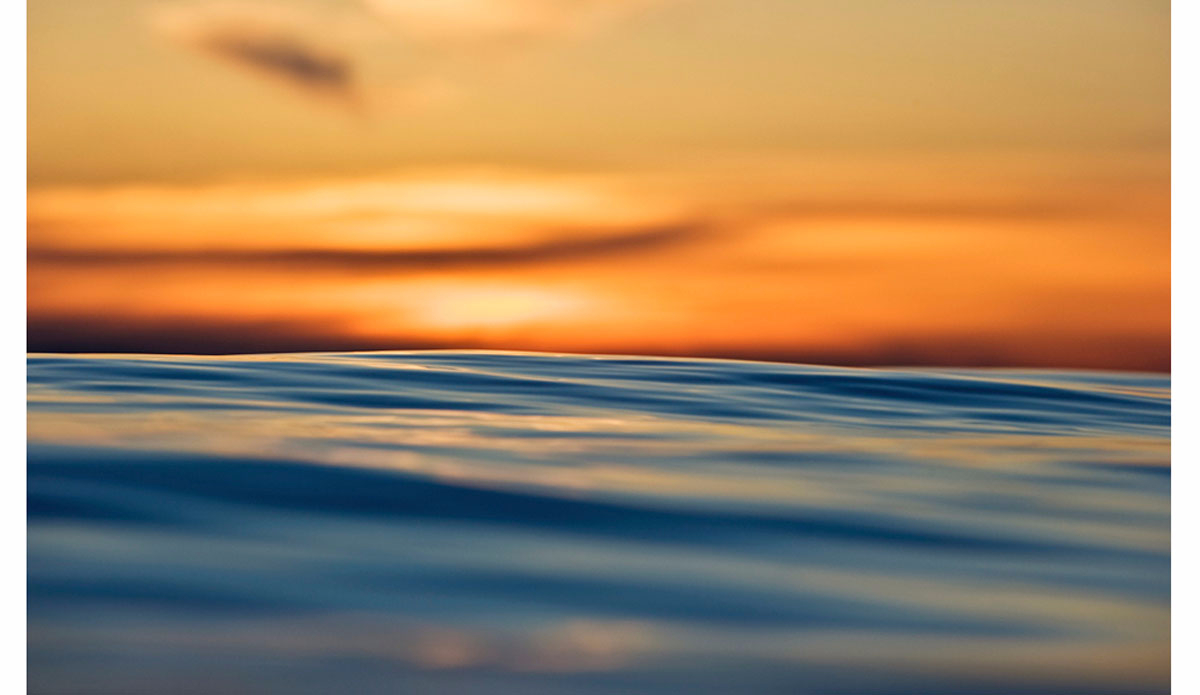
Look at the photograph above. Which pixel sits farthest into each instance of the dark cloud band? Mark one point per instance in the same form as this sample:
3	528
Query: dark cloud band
566	247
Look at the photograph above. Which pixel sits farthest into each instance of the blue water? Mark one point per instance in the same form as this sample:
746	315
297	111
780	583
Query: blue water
480	522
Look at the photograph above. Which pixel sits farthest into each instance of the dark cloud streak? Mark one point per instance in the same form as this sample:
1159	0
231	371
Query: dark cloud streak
563	248
289	59
271	45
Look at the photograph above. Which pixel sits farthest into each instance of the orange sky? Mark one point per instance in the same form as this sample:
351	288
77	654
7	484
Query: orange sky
945	185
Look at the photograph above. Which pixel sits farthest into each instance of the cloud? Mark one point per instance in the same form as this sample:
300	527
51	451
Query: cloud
427	210
307	47
266	40
573	245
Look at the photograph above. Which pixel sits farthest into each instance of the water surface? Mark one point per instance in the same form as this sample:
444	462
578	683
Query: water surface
482	522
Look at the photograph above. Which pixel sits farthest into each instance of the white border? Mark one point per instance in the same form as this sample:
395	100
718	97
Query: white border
12	376
1185	517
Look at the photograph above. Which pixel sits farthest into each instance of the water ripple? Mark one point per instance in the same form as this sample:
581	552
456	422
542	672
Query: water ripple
462	522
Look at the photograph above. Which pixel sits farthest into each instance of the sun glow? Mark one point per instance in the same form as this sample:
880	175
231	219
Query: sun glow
954	271
416	210
483	306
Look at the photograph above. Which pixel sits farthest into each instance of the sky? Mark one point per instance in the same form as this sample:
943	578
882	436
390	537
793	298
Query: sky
930	182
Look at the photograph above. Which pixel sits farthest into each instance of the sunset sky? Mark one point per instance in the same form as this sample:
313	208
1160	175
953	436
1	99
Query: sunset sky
944	182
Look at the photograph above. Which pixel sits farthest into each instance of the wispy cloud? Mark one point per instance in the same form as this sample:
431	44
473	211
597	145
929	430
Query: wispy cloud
266	40
428	211
310	47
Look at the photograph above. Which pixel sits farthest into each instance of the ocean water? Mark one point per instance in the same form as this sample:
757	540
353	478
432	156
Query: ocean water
482	522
